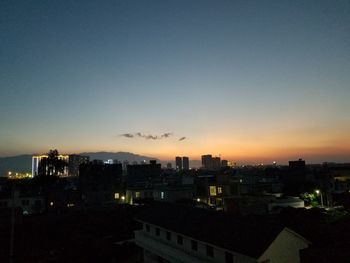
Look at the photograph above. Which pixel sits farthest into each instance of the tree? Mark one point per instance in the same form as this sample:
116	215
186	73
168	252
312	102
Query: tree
52	165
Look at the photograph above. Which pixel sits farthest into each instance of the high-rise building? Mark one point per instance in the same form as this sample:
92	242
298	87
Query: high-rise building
216	163
74	162
211	163
168	166
207	161
185	163
178	163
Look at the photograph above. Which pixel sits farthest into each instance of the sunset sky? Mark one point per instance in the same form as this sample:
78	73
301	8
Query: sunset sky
252	81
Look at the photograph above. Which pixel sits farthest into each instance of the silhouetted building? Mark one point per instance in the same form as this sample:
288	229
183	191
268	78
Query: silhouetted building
142	173
125	165
216	163
211	163
185	163
178	163
207	162
100	182
168	166
300	164
74	162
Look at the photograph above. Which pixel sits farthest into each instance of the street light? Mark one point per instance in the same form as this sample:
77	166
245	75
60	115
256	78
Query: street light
319	192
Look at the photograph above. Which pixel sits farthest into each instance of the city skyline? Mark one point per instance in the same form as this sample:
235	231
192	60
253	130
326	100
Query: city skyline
253	82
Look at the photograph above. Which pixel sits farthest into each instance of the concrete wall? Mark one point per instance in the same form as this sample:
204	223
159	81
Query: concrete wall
285	248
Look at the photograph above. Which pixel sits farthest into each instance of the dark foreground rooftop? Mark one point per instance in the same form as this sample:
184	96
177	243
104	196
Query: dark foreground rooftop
249	236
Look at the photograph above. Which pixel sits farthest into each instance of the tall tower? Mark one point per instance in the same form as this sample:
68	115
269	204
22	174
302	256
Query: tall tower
207	162
178	163
186	163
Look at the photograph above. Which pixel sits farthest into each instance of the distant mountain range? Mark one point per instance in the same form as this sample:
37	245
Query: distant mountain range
23	163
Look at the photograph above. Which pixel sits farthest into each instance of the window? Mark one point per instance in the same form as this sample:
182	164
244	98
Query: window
180	240
212	190
210	251
228	257
194	245
157	231
168	236
116	196
148	228
219	190
137	194
161	195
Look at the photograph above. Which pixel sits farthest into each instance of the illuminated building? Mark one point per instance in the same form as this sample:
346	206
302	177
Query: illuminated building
40	160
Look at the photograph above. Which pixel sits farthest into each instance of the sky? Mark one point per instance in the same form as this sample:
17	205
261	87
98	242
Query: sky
251	81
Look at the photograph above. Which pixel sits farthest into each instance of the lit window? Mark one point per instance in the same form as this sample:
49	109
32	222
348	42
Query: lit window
161	195
212	190
137	194
219	190
116	196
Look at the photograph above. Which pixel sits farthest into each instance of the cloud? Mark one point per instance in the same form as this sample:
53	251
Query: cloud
166	135
127	135
147	136
182	138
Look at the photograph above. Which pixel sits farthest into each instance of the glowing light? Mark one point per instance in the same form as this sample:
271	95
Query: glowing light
51	203
212	190
123	197
116	196
198	200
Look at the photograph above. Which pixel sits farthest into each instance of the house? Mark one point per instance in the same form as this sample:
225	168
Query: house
173	233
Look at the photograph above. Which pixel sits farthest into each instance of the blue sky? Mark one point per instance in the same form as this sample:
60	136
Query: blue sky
250	80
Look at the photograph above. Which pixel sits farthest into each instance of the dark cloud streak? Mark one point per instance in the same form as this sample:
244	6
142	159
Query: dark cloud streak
147	136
